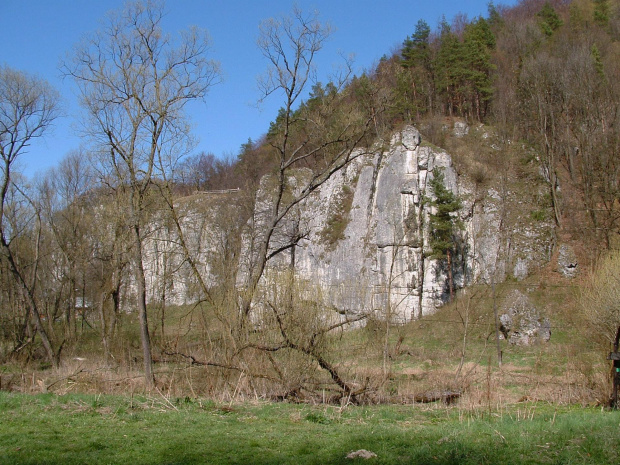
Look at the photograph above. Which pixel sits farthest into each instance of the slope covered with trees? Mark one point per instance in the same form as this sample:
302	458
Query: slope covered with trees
540	73
540	78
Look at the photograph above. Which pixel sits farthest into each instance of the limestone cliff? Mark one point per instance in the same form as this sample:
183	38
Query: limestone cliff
365	234
367	237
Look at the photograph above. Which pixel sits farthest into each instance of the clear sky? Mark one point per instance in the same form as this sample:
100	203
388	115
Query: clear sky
35	35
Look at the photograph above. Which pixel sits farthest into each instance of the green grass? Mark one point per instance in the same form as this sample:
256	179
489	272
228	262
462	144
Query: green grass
49	429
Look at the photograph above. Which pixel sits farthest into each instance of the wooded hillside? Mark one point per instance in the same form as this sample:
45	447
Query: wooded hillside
541	78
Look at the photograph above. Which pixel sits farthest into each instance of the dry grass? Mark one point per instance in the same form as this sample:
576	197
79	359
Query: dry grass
567	379
427	355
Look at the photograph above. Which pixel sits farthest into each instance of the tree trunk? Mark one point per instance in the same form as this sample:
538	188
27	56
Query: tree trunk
450	282
31	302
70	323
104	327
420	286
553	180
142	310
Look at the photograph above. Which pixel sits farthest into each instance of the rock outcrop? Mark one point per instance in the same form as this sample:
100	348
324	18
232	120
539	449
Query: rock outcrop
365	235
521	322
367	242
568	265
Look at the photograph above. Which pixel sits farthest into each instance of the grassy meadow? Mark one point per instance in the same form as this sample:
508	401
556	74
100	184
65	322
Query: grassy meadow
103	429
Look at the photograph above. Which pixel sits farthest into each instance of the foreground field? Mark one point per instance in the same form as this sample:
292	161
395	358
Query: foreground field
73	429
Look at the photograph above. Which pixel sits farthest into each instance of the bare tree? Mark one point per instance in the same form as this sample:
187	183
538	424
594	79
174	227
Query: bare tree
309	142
543	112
134	82
107	265
322	134
600	298
28	106
65	208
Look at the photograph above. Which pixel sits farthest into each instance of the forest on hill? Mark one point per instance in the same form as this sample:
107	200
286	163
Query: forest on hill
540	72
541	76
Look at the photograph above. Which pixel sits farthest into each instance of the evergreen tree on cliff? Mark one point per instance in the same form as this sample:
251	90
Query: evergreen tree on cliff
443	223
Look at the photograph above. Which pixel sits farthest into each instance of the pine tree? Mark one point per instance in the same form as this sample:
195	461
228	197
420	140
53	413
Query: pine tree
449	68
443	223
598	62
549	19
601	12
495	18
478	43
416	49
416	58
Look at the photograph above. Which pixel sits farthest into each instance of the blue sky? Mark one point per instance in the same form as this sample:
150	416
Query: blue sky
37	34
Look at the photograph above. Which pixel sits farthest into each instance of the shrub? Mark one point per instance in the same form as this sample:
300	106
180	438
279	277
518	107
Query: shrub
338	218
601	297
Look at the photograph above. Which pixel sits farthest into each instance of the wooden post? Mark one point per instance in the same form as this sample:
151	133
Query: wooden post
499	347
615	357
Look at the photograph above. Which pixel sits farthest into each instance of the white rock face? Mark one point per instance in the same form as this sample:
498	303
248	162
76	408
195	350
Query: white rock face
168	275
380	265
373	259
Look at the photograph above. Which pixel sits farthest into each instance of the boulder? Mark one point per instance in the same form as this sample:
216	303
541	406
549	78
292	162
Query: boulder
521	322
361	454
460	129
568	265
